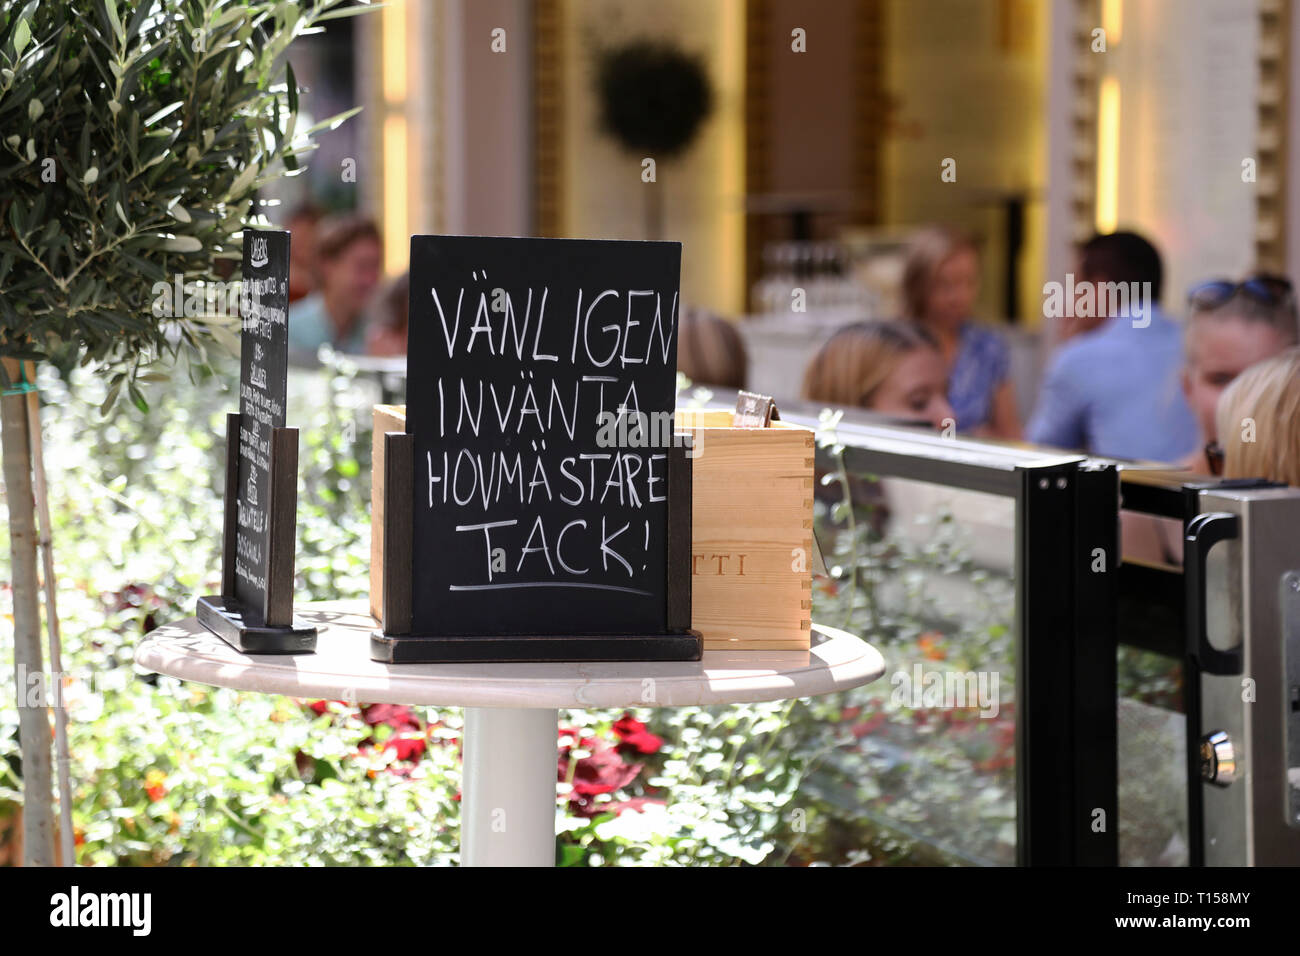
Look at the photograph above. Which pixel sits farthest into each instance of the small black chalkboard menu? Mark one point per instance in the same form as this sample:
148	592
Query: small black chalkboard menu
545	493
255	609
263	386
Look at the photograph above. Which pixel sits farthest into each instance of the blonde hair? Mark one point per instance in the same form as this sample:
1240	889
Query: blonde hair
1259	421
710	350
857	360
930	248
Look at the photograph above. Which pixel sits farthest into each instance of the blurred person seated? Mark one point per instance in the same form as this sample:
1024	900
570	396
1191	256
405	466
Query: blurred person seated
1268	445
1230	327
387	329
1114	391
1088	264
710	350
940	285
894	368
302	225
350	254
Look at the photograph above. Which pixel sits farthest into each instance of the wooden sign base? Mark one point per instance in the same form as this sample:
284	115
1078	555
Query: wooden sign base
444	649
394	643
270	629
237	625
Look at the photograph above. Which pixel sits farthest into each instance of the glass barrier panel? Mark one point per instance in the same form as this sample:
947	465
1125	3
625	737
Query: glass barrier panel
1152	770
923	765
1151	713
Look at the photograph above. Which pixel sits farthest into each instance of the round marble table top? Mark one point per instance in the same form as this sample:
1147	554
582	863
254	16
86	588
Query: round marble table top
341	669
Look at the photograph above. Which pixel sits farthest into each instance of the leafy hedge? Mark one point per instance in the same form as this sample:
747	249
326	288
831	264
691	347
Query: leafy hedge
172	774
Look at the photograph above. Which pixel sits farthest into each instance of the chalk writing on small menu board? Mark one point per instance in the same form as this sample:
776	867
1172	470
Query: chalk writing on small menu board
263	378
541	386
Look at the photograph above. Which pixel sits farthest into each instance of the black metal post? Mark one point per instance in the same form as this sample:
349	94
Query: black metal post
1045	561
1095	700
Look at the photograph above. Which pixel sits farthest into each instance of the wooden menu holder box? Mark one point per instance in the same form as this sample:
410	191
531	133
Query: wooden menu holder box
271	628
752	536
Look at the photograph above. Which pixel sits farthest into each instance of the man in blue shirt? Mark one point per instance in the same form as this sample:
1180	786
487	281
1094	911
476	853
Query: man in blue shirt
1115	390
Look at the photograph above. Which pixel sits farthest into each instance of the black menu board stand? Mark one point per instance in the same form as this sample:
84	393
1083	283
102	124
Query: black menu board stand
254	612
396	644
523	519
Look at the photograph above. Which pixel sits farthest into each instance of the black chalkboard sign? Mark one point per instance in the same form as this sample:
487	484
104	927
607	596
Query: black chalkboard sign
263	389
541	383
254	611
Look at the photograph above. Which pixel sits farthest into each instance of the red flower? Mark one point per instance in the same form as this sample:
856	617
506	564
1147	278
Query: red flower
408	739
397	716
633	736
867	726
929	643
407	746
155	785
137	597
602	771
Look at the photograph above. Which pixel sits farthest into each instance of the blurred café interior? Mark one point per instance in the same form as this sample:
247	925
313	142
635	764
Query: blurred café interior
824	135
854	170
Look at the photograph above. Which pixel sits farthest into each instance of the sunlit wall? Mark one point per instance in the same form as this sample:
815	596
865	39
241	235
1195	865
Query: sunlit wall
703	191
1186	77
968	82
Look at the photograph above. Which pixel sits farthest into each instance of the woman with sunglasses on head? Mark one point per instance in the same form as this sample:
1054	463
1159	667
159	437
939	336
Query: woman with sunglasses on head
1230	327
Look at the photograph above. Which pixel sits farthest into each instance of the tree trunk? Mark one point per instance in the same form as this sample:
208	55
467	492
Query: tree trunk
45	545
33	721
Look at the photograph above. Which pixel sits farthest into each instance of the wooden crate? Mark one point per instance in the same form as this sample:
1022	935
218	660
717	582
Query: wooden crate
751	507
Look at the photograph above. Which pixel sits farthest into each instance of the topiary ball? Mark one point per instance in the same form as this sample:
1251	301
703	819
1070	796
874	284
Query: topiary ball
653	97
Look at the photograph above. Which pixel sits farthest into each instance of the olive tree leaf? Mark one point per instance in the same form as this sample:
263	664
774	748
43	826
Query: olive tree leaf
163	148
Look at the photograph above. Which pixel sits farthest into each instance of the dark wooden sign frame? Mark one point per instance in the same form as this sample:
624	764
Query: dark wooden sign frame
269	629
430	613
395	644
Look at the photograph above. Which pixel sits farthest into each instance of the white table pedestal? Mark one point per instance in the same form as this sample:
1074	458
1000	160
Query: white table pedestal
508	789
